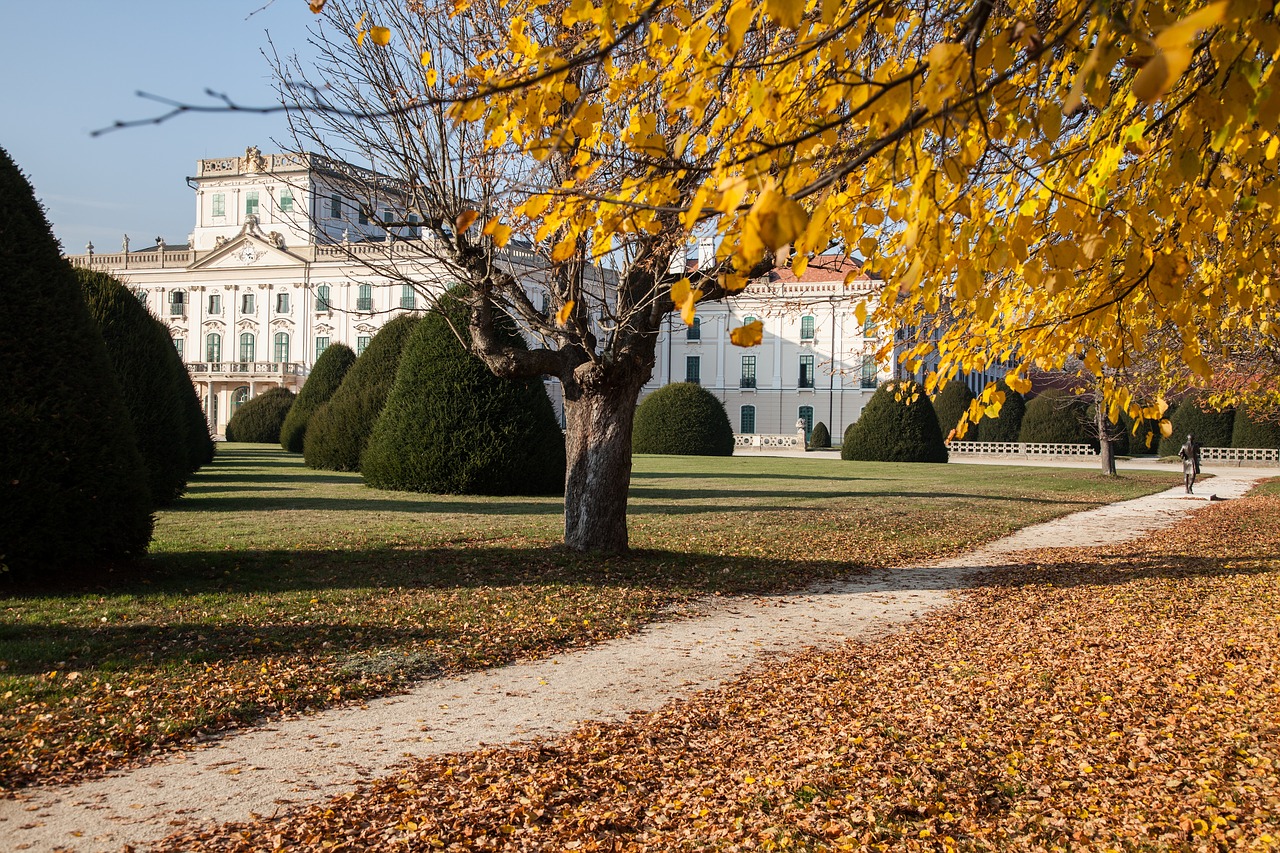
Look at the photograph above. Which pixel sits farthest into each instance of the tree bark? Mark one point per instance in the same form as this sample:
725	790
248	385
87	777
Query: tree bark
1106	449
598	421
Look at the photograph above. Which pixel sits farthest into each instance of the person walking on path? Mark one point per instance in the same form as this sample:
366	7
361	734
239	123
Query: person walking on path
1190	453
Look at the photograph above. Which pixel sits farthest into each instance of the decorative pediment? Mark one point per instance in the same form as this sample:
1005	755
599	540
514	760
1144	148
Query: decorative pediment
365	327
282	323
213	325
323	329
248	251
247	325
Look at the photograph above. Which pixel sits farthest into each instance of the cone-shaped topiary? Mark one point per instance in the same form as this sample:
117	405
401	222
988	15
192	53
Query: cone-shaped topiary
683	419
820	437
1211	429
339	431
898	424
139	346
326	376
451	427
1006	426
72	483
950	404
200	444
1251	432
259	420
1056	417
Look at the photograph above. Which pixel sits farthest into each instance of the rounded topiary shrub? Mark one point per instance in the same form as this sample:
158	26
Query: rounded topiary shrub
1211	429
820	437
326	375
898	424
952	402
450	426
1006	426
1249	431
1056	417
72	483
139	346
684	419
338	432
259	420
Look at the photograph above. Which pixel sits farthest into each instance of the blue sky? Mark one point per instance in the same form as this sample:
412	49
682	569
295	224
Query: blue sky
71	66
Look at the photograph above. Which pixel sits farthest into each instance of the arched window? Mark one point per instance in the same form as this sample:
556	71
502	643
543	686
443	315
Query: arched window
322	298
747	420
213	347
238	396
806	415
246	346
281	349
694	331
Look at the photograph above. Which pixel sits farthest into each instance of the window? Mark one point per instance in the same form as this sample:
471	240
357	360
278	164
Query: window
693	369
387	217
364	216
322	298
215	303
413	219
251	203
748	379
806	415
868	372
246	346
362	343
694	331
806	328
178	303
868	326
286	199
546	304
239	397
280	350
364	299
219	204
181	346
747	420
408	299
142	296
322	344
282	303
246	303
748	320
806	372
213	347
335	207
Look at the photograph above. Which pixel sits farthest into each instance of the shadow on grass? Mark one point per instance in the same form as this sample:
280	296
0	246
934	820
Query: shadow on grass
528	506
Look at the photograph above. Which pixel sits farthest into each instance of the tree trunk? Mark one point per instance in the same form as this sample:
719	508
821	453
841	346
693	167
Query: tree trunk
1106	449
598	420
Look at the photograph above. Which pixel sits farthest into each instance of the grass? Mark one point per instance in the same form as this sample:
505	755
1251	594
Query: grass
273	589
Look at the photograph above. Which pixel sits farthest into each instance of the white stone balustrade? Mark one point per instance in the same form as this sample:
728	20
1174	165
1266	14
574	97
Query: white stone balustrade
1026	449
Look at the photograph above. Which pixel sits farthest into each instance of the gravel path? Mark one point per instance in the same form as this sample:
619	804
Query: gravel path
266	769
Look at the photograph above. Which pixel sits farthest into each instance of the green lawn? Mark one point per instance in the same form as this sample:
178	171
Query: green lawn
273	588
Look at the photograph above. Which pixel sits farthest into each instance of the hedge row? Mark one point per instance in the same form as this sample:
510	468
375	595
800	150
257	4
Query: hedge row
326	376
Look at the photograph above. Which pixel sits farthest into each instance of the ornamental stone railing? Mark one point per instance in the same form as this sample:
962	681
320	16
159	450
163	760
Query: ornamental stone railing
1239	454
794	441
1020	448
248	369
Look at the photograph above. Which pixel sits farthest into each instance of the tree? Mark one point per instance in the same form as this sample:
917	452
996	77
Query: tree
950	404
72	483
683	419
326	375
1250	431
898	424
1056	417
450	426
1195	417
139	345
339	431
259	420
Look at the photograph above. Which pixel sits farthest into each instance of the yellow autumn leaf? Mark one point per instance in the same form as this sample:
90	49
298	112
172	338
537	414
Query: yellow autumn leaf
499	232
465	220
750	335
737	21
381	36
1166	428
360	37
778	220
1018	383
425	59
687	311
680	291
562	316
1160	73
316	5
564	250
1184	32
787	13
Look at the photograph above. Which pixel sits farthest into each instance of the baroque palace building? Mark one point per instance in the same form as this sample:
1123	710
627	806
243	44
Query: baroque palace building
282	263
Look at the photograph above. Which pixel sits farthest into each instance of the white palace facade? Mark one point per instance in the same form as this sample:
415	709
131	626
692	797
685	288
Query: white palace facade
281	265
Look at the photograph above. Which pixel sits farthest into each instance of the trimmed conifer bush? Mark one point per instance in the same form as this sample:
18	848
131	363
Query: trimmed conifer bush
200	444
1007	426
1056	417
683	419
1251	432
820	437
952	402
72	482
139	345
326	376
450	426
259	420
898	424
1211	429
338	432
